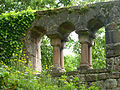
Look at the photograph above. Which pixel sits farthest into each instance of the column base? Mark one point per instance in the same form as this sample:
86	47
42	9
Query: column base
57	70
62	70
90	67
84	67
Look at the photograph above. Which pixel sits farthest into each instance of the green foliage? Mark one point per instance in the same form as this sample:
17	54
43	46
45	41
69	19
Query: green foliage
26	79
98	51
19	5
71	62
12	29
46	52
74	45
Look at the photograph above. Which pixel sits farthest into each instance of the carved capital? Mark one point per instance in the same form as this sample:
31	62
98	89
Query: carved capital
56	42
85	37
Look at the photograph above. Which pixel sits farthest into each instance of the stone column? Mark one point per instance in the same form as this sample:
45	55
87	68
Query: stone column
38	55
56	43
86	49
90	54
35	54
32	46
84	64
62	57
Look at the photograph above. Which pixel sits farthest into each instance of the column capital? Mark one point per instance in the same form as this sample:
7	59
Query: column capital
86	37
56	42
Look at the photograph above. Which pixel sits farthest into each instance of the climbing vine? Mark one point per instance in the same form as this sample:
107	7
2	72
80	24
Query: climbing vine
12	29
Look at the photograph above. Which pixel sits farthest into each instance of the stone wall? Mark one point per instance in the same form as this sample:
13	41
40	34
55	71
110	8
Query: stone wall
57	24
102	78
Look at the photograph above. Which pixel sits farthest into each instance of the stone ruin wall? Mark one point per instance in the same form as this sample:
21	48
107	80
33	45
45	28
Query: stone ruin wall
57	24
102	78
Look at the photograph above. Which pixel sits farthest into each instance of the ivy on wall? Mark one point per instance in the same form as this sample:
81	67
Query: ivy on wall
12	28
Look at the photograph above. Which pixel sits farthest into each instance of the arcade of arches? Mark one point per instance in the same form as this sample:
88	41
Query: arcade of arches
57	24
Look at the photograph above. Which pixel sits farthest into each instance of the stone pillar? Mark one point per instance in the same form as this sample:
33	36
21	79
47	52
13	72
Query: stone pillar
32	46
90	56
86	49
62	56
84	56
38	55
90	53
56	43
35	54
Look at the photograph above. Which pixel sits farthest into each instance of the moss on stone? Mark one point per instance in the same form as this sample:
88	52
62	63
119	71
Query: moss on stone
84	10
93	6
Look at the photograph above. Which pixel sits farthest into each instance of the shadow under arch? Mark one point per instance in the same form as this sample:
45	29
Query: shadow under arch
37	31
94	25
66	28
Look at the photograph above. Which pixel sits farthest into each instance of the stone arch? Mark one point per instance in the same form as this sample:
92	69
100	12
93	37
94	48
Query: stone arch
58	23
112	38
65	29
86	36
94	25
58	39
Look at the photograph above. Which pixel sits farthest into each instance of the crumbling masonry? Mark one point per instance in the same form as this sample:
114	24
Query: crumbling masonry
57	24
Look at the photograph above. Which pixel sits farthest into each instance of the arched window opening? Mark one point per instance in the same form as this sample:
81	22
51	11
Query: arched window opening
98	50
66	58
72	52
46	52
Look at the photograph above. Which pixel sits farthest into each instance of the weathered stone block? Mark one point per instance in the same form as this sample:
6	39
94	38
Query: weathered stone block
114	75
117	67
112	37
118	88
118	82
112	50
110	83
109	63
101	76
91	77
100	84
113	63
82	77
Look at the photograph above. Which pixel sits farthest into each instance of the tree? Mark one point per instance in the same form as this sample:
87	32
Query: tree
18	5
